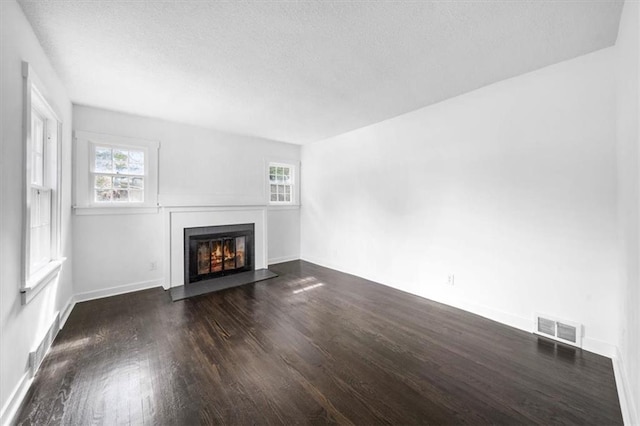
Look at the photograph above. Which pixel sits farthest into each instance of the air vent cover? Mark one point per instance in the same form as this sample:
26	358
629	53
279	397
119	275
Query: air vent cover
546	326
563	331
566	332
37	355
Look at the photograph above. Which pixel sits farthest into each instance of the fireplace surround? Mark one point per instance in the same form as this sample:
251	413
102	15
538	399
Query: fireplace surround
215	251
178	218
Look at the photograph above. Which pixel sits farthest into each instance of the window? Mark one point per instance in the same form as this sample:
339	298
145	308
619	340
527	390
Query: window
40	188
117	174
281	183
41	256
115	171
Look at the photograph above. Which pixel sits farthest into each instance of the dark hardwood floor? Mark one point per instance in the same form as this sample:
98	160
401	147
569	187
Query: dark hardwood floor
311	346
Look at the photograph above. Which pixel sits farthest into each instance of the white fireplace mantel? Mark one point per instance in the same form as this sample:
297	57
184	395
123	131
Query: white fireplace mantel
176	219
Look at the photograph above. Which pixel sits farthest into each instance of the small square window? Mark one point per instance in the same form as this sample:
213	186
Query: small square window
118	174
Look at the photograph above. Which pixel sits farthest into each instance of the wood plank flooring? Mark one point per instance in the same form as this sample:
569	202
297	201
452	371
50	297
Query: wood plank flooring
312	346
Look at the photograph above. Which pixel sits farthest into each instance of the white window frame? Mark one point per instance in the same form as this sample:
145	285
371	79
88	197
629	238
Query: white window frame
85	145
294	168
37	276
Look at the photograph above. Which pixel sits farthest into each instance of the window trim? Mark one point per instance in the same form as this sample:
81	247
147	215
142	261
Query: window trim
294	166
85	143
35	96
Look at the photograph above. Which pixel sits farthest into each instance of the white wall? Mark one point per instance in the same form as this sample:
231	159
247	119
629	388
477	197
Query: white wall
198	167
22	327
284	235
628	92
510	187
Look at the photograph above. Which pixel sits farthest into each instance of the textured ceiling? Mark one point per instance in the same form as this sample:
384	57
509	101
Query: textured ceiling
301	71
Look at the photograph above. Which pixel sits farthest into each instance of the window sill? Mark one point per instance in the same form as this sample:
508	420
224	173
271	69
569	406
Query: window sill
283	206
106	210
40	279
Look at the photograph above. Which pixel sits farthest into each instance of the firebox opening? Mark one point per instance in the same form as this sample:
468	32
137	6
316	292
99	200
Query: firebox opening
216	251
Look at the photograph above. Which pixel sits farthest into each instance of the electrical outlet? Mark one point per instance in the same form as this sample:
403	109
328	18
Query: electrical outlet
153	266
451	279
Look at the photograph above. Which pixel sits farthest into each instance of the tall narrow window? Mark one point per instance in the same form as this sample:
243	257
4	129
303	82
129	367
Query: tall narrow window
40	238
42	184
281	183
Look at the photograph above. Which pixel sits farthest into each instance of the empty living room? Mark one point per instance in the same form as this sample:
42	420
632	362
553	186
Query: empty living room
320	212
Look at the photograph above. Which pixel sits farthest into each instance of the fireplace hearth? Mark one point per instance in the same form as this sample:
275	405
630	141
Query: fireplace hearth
216	251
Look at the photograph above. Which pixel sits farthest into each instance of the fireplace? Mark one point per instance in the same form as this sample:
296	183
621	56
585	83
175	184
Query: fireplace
216	251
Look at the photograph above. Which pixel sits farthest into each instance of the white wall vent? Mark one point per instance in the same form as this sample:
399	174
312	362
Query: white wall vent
563	331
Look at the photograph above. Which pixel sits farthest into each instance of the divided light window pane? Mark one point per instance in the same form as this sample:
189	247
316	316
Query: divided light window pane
40	227
119	188
280	183
37	149
40	195
118	175
104	163
119	161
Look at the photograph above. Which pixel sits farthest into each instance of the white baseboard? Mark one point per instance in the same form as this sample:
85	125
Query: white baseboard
10	408
114	291
66	311
627	406
599	347
506	318
282	259
321	262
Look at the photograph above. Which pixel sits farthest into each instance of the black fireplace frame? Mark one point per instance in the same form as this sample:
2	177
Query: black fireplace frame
193	235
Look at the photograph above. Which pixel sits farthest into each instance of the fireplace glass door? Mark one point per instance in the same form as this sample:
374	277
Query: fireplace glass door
212	255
